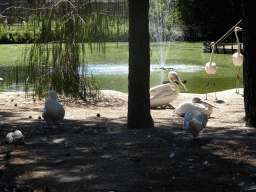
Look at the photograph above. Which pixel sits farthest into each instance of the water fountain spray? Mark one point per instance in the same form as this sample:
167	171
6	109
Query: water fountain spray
160	20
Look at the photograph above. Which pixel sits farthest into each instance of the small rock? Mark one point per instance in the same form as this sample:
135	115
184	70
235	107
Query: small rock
98	115
241	184
172	154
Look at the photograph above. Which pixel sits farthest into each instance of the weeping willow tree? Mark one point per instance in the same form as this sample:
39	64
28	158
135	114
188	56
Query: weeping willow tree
56	59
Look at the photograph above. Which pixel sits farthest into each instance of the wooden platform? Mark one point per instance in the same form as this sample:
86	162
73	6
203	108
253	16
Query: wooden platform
223	48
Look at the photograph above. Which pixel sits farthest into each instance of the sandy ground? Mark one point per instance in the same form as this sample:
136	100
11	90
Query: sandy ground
90	153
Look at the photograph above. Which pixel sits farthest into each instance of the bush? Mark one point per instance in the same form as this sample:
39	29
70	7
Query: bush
21	35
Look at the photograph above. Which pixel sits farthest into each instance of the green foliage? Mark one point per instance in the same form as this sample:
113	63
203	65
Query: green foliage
48	31
56	59
15	35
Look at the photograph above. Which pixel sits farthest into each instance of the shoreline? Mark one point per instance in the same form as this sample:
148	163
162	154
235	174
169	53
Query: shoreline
114	104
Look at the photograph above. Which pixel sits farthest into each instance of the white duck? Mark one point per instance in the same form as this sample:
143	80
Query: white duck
53	111
195	104
237	58
15	136
194	122
166	93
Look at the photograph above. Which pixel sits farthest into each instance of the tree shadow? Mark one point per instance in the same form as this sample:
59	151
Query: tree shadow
102	154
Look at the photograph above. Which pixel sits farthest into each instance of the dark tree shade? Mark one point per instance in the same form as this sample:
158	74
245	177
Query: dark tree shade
139	65
249	63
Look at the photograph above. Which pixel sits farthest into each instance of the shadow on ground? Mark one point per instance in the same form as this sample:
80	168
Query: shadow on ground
101	154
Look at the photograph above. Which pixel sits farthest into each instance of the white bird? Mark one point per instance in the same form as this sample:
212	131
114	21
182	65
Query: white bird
166	93
53	111
194	122
195	104
237	58
211	69
15	136
1	79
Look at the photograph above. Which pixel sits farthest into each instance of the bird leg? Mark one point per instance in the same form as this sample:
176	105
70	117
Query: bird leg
214	87
207	87
168	105
237	80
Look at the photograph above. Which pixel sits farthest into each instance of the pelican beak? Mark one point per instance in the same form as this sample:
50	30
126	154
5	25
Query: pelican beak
179	81
209	104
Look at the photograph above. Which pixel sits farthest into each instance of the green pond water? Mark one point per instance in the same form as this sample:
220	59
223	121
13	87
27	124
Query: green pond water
110	67
111	71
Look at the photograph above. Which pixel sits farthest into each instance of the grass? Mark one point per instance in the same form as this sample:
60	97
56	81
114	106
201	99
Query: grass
11	52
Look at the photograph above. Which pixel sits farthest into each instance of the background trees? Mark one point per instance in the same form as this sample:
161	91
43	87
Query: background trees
207	21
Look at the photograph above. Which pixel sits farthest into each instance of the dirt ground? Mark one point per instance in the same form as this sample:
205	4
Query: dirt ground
90	153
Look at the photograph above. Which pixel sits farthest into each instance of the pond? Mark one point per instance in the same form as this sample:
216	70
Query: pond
110	68
111	71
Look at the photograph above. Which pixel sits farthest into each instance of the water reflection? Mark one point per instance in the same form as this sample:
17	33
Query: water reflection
122	69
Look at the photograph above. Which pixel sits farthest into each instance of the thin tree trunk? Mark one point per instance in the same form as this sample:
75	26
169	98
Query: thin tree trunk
249	64
139	65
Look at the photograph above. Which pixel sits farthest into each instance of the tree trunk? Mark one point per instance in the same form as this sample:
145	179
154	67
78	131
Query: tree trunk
249	64
139	65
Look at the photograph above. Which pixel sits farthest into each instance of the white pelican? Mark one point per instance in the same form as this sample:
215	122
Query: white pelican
196	104
166	93
237	58
15	136
53	111
194	122
211	69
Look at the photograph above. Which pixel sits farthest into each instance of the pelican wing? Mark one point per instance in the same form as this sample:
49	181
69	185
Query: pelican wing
184	107
161	95
157	89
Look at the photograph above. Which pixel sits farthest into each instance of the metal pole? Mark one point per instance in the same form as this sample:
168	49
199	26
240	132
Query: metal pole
228	33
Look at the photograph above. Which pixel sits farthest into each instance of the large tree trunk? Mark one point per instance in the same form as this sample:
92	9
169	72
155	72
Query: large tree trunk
249	64
139	65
